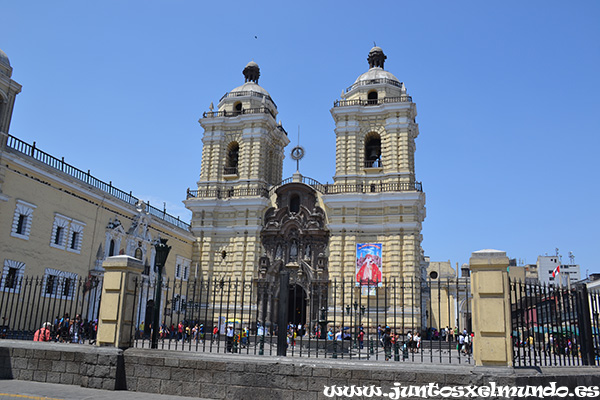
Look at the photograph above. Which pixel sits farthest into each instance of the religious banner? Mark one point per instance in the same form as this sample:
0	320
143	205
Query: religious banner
368	264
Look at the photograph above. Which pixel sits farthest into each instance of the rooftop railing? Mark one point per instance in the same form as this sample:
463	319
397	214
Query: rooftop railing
60	165
259	110
327	188
376	102
226	193
374	82
332	188
248	93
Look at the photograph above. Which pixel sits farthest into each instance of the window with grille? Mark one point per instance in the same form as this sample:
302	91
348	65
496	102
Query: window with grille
22	219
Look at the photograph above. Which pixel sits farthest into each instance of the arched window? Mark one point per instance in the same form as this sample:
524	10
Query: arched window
295	203
233	153
139	253
373	150
372	97
238	108
111	248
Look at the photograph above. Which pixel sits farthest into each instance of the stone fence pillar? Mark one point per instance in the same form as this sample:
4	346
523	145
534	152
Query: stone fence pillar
492	344
115	322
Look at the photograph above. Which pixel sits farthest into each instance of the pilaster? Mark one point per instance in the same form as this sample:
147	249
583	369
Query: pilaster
115	324
491	308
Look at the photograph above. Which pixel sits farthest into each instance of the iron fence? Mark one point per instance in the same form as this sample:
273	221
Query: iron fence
554	326
336	319
69	305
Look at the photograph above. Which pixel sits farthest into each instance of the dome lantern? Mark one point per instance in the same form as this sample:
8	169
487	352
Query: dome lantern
251	72
376	58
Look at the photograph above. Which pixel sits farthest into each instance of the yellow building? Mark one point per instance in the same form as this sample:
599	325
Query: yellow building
448	302
59	222
249	224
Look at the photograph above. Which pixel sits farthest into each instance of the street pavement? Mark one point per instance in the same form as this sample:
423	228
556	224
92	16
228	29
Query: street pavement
15	389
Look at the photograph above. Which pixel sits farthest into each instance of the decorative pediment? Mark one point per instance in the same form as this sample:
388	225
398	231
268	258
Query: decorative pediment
293	234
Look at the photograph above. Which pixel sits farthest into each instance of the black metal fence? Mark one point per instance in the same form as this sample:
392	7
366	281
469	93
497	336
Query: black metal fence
69	305
554	326
324	319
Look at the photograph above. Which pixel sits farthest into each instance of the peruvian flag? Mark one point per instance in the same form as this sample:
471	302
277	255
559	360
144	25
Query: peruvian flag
556	271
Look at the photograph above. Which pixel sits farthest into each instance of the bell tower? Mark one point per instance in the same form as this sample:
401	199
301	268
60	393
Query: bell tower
375	197
243	143
375	129
242	157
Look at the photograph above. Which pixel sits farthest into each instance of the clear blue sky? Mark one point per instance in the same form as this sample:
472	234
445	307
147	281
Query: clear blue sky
507	95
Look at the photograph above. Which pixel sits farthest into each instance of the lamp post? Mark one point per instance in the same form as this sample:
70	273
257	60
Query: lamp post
162	252
357	320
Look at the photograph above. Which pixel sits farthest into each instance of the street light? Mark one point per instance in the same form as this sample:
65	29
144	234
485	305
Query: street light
162	252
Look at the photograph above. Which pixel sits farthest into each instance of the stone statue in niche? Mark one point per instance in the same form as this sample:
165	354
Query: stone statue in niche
294	252
307	252
278	252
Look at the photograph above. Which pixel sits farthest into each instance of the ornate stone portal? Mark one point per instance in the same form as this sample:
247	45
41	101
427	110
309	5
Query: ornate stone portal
295	239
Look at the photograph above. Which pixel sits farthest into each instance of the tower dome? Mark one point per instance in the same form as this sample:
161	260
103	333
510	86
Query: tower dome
250	93
376	76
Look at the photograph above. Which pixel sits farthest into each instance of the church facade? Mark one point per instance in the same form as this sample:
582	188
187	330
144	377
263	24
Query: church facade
249	224
334	244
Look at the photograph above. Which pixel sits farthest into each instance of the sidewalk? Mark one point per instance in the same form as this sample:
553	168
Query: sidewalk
14	389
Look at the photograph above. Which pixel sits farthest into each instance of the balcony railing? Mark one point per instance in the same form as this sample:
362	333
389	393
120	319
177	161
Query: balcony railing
373	164
230	170
85	177
226	193
248	93
377	102
259	110
374	82
333	188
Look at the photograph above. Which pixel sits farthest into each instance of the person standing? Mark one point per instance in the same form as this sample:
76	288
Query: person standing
361	338
215	337
387	342
229	334
43	334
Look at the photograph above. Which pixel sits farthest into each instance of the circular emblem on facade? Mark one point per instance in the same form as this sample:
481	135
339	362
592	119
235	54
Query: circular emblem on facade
297	153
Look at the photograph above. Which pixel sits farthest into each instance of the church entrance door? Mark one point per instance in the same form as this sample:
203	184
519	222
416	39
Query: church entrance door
297	305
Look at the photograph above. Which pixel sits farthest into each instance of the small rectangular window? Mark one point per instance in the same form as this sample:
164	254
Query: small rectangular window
67	287
22	218
50	284
21	224
58	237
11	278
74	239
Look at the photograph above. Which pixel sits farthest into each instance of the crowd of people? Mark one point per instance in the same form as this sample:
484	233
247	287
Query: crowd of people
68	330
236	337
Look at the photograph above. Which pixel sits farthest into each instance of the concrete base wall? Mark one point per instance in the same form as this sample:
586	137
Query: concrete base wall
220	376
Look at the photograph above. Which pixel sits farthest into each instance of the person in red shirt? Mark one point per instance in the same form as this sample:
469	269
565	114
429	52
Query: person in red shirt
42	334
215	334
